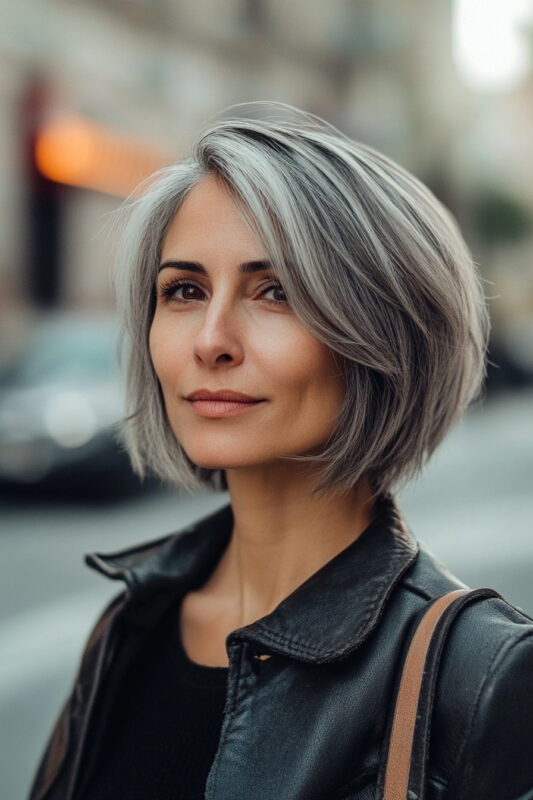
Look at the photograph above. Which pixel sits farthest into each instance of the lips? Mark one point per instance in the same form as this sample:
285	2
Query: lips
222	403
222	395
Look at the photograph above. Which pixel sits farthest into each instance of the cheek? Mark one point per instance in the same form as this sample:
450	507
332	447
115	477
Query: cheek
312	375
163	351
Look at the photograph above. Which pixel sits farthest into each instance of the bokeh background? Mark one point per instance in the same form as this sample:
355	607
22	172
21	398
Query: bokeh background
97	95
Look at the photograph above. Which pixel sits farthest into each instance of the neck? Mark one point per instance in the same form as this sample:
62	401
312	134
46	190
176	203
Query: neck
282	534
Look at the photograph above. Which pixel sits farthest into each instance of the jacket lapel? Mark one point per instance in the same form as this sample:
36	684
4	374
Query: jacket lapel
324	619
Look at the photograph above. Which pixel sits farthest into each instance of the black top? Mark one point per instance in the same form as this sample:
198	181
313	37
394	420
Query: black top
163	732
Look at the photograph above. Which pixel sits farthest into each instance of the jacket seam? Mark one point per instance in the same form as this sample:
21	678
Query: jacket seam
229	711
313	651
505	647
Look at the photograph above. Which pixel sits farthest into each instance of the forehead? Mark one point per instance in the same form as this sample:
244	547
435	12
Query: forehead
208	220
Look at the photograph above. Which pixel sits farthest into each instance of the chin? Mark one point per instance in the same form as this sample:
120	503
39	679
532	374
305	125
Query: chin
233	457
210	459
229	453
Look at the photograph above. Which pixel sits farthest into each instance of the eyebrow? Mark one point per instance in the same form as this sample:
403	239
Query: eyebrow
246	268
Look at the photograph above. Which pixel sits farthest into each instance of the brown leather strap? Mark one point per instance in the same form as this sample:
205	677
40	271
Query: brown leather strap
403	726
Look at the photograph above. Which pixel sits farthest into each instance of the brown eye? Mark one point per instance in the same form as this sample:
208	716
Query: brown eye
181	291
277	295
189	292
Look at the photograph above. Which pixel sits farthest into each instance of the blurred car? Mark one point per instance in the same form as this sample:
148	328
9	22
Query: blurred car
60	402
510	364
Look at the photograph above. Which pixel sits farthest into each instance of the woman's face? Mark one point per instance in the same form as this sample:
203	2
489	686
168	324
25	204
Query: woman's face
222	325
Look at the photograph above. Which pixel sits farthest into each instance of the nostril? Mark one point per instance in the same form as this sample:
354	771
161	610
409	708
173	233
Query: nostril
224	357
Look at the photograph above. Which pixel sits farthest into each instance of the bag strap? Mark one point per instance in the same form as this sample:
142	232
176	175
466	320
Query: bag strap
408	749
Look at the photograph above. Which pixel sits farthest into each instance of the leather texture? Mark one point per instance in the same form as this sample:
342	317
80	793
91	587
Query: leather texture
411	724
312	722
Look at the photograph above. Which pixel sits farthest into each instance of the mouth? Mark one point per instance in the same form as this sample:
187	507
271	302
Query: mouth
223	403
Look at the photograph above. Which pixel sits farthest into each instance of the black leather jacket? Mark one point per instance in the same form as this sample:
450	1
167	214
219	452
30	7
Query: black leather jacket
310	722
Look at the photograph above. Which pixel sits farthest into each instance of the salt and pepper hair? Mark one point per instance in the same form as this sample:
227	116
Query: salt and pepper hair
372	264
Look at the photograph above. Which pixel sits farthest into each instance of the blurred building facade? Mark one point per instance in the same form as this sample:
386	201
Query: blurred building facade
154	72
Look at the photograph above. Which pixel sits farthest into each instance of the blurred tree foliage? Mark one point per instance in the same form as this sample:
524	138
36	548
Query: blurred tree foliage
498	217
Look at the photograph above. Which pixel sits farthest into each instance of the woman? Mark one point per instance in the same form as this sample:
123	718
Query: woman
304	324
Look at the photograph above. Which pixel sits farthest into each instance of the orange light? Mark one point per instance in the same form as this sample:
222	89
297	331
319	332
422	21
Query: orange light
79	152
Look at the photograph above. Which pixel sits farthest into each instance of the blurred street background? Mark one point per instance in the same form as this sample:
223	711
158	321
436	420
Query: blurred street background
95	96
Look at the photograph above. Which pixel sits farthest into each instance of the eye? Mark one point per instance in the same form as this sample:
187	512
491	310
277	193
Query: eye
277	293
181	291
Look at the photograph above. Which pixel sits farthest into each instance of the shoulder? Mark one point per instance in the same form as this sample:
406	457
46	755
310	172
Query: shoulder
485	633
483	714
486	685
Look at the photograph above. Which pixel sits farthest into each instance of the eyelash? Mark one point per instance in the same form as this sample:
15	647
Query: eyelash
167	291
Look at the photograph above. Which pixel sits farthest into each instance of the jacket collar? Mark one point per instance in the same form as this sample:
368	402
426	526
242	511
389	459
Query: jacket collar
323	620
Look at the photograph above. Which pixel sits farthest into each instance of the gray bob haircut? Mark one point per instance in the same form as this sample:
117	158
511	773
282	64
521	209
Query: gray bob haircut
372	264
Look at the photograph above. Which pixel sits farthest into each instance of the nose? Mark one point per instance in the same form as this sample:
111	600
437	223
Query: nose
218	341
